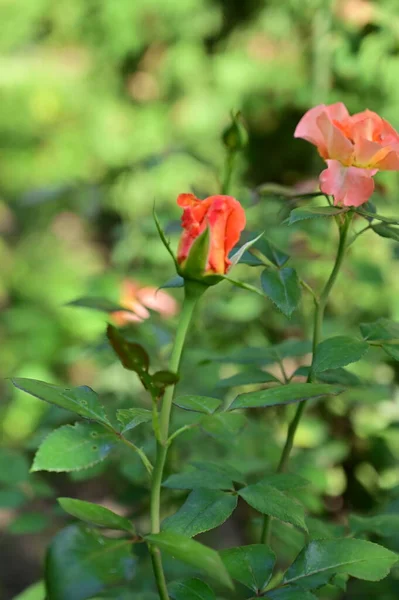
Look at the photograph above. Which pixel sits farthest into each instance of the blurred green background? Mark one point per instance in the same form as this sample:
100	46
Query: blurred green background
107	106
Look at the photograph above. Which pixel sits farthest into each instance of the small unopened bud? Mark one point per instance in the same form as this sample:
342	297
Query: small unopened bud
235	136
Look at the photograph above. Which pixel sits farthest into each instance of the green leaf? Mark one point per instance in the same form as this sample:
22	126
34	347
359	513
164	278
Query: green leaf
290	593
285	481
203	510
93	513
81	400
81	563
14	467
73	447
283	288
209	478
268	500
131	417
220	467
191	589
247	378
132	356
163	237
312	212
236	257
320	560
222	427
29	523
12	498
266	355
392	351
192	553
36	591
164	378
372	215
272	253
201	404
338	351
285	394
176	282
387	231
382	330
382	525
250	565
195	264
95	303
339	376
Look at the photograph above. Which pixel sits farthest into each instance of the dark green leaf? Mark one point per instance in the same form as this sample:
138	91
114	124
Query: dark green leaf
81	563
372	215
208	478
285	394
132	356
339	376
164	378
391	350
266	355
290	592
222	427
382	525
387	231
247	378
93	513
28	523
283	288
74	447
203	510
382	330
250	565
272	253
338	352
192	553
81	400
191	589
269	500
236	257
95	303
176	282
312	212
220	467
131	417
202	404
320	560
14	467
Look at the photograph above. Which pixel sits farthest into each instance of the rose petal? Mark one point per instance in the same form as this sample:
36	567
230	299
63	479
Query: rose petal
350	186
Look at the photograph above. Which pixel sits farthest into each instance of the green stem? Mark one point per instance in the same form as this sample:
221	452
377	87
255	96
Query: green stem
191	296
320	306
230	159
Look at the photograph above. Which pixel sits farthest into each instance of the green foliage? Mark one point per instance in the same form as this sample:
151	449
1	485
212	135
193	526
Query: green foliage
250	565
81	563
71	448
192	553
283	288
285	394
95	514
338	352
191	589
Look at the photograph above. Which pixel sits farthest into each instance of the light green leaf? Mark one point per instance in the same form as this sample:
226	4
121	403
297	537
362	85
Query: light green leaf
285	394
96	514
203	510
313	212
338	351
283	288
250	565
131	417
96	303
36	591
202	404
192	553
74	447
81	563
81	400
320	560
269	500
191	589
391	350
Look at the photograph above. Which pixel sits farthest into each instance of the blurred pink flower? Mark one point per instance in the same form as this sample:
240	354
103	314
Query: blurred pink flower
137	300
354	148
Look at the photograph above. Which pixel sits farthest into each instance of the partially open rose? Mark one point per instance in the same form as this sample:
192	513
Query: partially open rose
354	148
225	218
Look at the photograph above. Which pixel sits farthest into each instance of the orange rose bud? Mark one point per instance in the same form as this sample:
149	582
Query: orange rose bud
212	227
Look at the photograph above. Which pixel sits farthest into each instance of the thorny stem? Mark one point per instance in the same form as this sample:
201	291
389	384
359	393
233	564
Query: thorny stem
191	296
320	306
